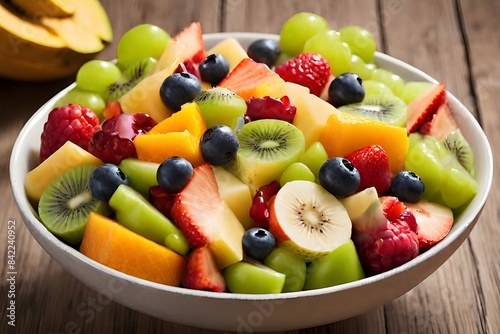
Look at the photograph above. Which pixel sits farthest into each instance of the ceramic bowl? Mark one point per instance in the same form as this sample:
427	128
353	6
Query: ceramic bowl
243	312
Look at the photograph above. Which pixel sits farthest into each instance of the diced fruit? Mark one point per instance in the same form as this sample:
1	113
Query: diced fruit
287	262
219	145
340	266
232	50
192	37
68	156
188	118
422	109
264	51
115	246
345	89
314	157
258	243
173	174
104	180
456	143
202	272
441	124
307	69
206	220
329	44
341	136
434	222
373	167
219	105
235	194
270	108
162	200
70	122
413	89
267	148
407	187
308	219
141	174
138	215
339	177
296	171
253	278
66	203
259	211
248	75
278	90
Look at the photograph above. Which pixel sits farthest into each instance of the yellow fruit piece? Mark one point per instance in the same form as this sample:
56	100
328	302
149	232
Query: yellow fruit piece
109	243
188	118
65	158
49	8
345	133
232	50
171	56
226	241
277	90
99	25
236	194
159	147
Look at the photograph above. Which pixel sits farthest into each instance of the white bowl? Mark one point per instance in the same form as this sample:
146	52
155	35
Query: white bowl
244	312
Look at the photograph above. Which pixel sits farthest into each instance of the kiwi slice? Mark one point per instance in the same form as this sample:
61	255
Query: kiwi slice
219	105
458	145
267	148
381	107
130	78
66	203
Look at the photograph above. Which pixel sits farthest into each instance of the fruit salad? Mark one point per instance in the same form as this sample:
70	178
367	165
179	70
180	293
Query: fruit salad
293	164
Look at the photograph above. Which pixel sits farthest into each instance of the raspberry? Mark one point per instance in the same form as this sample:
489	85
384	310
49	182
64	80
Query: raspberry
307	69
110	147
70	122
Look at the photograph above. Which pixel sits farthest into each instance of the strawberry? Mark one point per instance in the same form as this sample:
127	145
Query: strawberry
307	69
198	208
246	76
372	164
441	124
202	272
192	37
434	222
423	108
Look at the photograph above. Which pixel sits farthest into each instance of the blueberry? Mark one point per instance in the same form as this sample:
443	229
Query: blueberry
258	243
339	177
345	89
173	174
105	179
214	68
219	144
264	51
407	187
178	89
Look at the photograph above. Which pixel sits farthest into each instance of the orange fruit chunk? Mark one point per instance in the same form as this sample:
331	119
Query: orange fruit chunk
345	133
188	118
113	245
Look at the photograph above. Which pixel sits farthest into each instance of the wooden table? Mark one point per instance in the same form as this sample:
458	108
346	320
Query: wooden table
455	41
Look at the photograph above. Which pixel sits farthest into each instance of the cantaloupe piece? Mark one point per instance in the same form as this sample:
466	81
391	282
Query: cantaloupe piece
345	133
113	245
231	49
280	89
188	118
159	147
63	159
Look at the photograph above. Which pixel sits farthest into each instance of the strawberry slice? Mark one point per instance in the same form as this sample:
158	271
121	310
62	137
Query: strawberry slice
198	208
434	222
372	164
422	109
441	125
202	272
192	37
247	75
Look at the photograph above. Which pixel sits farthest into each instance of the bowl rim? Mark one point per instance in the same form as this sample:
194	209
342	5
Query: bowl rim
40	233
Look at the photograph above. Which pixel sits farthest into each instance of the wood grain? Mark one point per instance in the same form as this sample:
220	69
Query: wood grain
455	41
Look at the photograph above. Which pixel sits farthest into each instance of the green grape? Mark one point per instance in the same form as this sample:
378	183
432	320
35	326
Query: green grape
391	80
255	278
91	100
97	75
142	41
329	44
296	171
298	29
376	88
360	41
314	157
361	68
286	261
413	89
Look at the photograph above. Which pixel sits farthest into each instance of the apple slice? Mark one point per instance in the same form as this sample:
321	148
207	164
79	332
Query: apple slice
308	219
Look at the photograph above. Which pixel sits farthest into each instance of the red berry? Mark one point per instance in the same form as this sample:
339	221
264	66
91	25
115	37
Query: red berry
372	164
110	147
259	211
307	69
70	122
162	200
190	67
270	108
